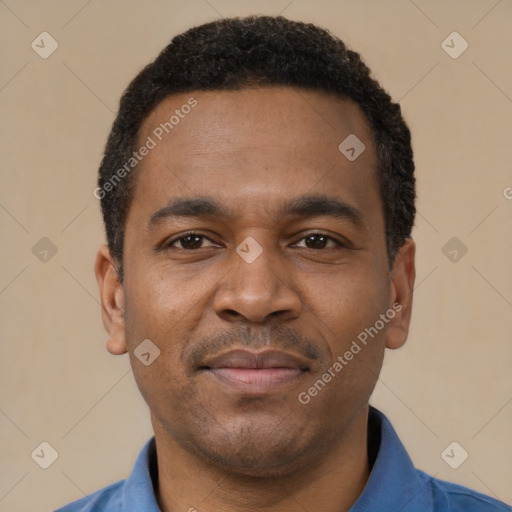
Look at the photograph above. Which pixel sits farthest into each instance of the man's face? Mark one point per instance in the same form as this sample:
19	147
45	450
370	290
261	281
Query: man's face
254	307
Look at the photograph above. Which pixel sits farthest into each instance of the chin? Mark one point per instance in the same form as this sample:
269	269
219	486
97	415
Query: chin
262	464
256	449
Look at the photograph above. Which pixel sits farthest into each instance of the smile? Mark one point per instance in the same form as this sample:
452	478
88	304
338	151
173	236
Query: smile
256	373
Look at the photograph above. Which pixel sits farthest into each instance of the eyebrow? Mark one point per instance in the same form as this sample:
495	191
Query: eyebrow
302	206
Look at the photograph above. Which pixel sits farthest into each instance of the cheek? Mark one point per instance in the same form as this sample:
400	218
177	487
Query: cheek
166	311
155	321
156	302
347	303
347	309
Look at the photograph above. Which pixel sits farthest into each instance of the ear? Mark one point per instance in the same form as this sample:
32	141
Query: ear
401	288
112	300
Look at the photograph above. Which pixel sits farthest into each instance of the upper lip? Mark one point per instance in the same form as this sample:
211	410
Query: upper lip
240	358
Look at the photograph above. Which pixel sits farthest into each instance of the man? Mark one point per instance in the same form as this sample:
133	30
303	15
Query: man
258	195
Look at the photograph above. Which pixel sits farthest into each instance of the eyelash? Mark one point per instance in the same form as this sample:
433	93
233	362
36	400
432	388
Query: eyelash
168	245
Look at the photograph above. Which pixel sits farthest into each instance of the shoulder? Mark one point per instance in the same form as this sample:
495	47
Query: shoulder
135	492
450	497
109	496
395	478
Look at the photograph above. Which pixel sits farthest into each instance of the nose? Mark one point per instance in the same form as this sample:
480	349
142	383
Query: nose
257	290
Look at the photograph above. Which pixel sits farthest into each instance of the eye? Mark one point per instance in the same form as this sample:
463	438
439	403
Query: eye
189	241
192	241
319	241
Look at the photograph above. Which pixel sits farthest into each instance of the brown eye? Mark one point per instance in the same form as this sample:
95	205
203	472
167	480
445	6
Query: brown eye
189	241
319	241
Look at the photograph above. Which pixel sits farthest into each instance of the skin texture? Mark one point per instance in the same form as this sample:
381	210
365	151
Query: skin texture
253	150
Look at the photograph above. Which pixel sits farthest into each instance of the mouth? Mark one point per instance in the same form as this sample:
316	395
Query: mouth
256	373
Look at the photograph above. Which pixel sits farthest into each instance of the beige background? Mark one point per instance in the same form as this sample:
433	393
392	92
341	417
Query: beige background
451	382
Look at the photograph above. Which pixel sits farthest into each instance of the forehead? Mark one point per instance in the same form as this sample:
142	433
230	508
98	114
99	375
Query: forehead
248	118
255	147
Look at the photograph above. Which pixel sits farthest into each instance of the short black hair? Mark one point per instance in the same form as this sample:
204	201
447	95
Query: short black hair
254	51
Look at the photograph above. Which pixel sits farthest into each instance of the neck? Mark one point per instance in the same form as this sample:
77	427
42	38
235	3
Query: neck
330	481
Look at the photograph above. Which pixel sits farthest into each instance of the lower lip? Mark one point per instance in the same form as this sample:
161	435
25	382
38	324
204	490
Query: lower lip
256	381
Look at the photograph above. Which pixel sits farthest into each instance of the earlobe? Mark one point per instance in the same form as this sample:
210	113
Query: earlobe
112	300
401	294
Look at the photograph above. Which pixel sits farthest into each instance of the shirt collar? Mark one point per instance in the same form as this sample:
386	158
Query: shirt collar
394	483
139	490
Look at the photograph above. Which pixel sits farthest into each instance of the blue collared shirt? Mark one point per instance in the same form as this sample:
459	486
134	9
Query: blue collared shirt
395	485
